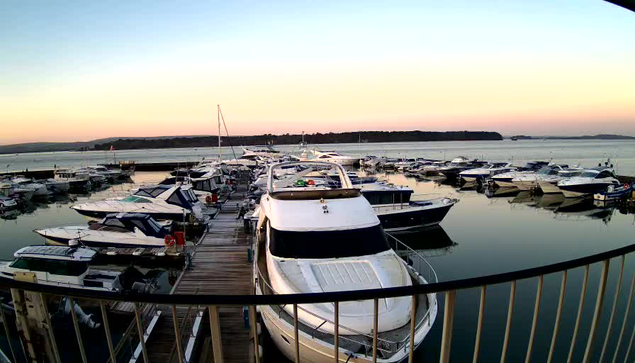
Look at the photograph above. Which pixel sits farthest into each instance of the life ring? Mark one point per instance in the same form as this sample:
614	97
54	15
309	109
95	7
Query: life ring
170	240
208	199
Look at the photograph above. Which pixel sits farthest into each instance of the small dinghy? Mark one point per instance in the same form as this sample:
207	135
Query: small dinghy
115	230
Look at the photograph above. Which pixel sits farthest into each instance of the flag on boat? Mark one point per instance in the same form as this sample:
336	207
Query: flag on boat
112	148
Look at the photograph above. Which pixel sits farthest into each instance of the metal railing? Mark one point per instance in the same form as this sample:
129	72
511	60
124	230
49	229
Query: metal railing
451	289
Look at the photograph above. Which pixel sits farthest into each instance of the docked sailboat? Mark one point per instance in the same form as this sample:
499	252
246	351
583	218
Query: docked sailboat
115	230
315	239
162	202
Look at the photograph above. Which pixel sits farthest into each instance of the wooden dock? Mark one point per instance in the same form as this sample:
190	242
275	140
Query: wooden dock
219	265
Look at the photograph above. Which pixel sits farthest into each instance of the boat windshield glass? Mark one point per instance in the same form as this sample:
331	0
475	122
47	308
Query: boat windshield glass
547	171
589	174
133	199
54	267
328	244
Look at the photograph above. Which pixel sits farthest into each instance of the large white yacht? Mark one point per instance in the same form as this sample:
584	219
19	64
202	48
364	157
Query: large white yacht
335	157
162	202
313	238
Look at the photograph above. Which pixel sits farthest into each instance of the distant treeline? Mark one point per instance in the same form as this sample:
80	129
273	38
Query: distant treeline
286	139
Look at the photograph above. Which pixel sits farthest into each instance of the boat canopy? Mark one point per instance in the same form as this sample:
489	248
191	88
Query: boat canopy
56	253
127	222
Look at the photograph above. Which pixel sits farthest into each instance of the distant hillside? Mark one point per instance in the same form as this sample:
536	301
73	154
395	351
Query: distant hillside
286	139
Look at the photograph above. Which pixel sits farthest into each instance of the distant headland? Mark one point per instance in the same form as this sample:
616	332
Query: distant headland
265	139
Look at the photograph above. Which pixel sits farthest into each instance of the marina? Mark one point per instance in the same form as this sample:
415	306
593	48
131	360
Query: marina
219	260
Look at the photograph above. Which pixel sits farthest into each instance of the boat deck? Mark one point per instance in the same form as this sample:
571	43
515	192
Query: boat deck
219	265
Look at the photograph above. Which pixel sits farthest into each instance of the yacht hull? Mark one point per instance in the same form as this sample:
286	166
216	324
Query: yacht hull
525	185
412	216
318	351
582	190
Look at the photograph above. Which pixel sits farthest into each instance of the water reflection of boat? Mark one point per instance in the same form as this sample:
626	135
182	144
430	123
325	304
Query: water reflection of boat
583	209
429	242
524	197
500	192
550	201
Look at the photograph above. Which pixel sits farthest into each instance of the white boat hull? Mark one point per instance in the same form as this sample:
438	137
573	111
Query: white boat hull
525	185
549	188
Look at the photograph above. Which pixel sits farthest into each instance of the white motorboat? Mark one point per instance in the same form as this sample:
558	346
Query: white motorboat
96	178
397	212
61	266
76	180
7	203
549	183
529	181
162	202
591	181
314	239
109	174
488	171
12	190
57	186
335	157
115	230
504	180
257	152
39	190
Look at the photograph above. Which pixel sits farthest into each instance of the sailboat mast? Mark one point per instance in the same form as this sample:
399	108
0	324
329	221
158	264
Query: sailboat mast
218	115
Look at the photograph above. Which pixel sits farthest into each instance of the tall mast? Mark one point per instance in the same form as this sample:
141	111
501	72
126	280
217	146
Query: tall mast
218	115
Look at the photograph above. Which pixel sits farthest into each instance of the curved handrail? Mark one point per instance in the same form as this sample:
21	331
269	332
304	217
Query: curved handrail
326	297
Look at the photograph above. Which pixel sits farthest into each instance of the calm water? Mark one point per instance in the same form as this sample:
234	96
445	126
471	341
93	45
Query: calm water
587	153
479	236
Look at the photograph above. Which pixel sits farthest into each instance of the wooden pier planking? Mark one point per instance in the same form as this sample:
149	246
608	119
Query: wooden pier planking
219	266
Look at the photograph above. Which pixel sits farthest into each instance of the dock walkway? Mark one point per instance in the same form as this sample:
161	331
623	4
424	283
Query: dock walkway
219	265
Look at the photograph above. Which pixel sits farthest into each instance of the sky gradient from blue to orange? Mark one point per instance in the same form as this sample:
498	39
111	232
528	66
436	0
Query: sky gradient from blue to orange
85	70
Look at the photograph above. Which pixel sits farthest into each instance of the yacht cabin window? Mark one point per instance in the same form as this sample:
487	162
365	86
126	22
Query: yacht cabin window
55	267
327	244
605	174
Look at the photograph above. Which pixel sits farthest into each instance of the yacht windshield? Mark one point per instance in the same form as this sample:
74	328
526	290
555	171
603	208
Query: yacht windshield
328	244
589	174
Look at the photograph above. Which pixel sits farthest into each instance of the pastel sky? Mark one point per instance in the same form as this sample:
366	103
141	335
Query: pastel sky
81	70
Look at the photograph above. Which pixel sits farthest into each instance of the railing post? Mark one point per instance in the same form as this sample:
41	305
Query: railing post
6	330
49	329
579	317
177	334
598	311
104	318
448	320
296	333
628	309
78	333
510	315
618	289
534	322
556	325
479	325
141	333
336	331
413	325
214	323
253	320
375	328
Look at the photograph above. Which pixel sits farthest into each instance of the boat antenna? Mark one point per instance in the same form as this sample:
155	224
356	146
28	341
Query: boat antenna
220	112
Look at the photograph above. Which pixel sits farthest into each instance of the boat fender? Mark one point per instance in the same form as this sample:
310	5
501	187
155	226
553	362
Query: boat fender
169	240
